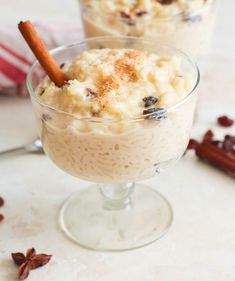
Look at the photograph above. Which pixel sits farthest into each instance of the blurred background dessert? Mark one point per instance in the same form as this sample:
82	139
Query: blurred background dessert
185	24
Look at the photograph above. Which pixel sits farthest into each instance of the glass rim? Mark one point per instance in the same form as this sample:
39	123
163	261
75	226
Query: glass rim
176	16
100	119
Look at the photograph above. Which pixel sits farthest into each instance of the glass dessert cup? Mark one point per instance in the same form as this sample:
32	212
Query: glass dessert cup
115	214
190	32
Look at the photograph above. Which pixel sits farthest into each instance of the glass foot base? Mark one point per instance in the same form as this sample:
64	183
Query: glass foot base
85	220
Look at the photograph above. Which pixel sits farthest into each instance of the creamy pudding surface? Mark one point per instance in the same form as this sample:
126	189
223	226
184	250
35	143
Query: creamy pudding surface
113	119
146	8
185	24
118	84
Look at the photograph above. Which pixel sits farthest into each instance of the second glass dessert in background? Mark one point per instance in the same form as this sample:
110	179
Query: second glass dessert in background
185	24
124	115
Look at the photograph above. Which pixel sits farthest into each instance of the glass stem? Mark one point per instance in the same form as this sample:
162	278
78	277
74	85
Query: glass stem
116	196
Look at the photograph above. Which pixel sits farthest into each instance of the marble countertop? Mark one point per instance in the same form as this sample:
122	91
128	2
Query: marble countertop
200	245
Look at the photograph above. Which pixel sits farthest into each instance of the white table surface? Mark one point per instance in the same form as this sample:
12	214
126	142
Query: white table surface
200	245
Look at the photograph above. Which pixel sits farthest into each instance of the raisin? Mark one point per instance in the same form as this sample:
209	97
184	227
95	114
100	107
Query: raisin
141	13
125	15
155	113
166	2
149	101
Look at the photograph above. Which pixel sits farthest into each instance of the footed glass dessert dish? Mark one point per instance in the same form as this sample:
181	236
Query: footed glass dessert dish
124	115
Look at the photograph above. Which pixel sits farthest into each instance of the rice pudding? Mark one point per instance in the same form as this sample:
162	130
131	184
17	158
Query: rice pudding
116	119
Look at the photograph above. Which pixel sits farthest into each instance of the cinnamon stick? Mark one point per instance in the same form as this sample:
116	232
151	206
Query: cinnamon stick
41	52
217	157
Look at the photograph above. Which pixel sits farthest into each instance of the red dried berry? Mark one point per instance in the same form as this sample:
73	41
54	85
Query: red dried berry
1	217
1	201
225	121
229	144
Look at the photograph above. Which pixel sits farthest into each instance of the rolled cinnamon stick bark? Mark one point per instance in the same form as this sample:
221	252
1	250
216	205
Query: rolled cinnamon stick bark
41	52
217	157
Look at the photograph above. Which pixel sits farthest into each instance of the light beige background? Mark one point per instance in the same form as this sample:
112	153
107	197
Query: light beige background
12	11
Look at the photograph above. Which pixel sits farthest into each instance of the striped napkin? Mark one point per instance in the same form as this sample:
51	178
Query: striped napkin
16	57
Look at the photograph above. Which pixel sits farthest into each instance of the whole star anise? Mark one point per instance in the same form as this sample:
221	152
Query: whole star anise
29	262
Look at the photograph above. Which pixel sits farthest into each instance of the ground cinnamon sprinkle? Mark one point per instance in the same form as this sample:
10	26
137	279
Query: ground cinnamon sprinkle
125	71
134	55
107	84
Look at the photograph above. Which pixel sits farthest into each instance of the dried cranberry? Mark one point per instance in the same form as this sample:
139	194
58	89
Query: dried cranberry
192	144
225	121
228	144
1	217
1	201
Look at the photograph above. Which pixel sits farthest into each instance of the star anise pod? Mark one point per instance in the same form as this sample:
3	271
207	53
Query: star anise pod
30	253
23	271
29	262
18	258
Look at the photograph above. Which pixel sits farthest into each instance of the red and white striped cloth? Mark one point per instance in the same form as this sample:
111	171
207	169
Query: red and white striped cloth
16	57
